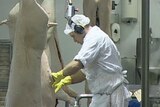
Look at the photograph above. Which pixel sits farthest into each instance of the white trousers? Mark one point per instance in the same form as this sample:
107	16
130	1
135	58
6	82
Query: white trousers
117	99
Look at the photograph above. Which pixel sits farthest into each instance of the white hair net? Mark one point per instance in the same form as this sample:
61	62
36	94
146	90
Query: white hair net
78	19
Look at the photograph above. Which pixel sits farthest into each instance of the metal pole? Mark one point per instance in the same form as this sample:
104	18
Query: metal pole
145	52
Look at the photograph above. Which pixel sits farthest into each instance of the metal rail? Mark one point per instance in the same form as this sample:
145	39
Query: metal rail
78	98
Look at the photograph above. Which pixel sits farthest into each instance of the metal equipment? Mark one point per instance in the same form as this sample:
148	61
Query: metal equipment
154	60
78	98
70	10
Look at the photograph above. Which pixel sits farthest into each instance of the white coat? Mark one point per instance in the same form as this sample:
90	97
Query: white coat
102	67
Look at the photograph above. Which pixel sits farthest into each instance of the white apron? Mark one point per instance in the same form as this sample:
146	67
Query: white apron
119	98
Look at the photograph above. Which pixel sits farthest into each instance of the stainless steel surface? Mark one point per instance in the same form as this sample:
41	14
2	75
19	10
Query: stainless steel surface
154	56
133	87
154	60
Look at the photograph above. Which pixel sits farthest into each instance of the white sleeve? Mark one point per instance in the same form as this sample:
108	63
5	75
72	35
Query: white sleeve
88	52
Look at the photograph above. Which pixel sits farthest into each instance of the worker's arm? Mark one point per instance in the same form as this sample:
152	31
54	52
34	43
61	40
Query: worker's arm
78	77
65	76
75	78
72	67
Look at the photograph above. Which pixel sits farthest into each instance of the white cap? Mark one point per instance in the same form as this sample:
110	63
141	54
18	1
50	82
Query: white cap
78	19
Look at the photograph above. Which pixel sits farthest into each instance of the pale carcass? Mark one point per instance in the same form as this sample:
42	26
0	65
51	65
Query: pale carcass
99	12
51	48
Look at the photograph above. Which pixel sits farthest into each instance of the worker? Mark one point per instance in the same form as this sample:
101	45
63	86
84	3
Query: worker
98	61
99	13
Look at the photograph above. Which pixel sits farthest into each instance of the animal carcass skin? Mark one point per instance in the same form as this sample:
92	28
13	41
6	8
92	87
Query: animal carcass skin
24	89
100	9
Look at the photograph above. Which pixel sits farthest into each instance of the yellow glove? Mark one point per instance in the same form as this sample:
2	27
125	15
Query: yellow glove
57	77
66	81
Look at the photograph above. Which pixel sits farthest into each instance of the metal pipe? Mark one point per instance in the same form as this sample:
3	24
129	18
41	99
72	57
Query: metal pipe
79	97
145	52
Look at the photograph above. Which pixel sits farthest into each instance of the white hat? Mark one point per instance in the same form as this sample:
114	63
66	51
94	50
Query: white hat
78	20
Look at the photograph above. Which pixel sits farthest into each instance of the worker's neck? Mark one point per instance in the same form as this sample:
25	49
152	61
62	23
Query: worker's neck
88	29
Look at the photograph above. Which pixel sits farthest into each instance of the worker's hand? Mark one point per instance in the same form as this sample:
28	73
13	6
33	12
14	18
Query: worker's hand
57	77
66	81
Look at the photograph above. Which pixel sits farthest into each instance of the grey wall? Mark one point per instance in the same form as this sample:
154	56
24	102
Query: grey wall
5	7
